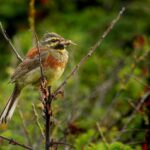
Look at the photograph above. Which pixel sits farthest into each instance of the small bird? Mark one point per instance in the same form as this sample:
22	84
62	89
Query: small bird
54	58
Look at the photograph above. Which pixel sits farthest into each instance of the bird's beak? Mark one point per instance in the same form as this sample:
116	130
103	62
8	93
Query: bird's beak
67	42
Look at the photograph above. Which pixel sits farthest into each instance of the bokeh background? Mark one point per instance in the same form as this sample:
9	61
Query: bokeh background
102	106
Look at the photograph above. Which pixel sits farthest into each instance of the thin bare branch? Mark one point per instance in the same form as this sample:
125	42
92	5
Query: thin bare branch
32	15
9	41
102	135
131	130
135	142
13	142
139	80
37	46
25	128
133	115
48	114
37	120
129	101
117	95
92	50
46	100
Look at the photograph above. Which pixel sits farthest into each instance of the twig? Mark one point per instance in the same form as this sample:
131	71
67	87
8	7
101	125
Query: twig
102	135
48	113
32	15
117	95
24	127
133	115
92	50
37	120
37	46
13	142
110	106
139	80
131	104
132	130
135	143
46	100
9	41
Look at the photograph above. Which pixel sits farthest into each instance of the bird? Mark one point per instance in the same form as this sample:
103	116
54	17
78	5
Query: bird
54	58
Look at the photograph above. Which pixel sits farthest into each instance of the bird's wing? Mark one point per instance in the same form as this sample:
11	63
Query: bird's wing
28	65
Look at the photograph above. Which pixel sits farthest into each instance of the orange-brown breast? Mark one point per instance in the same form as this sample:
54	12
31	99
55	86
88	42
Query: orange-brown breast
34	51
54	63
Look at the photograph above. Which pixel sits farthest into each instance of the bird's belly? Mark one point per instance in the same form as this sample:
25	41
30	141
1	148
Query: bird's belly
33	77
53	74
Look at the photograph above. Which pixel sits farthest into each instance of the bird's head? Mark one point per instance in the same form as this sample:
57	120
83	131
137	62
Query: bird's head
55	41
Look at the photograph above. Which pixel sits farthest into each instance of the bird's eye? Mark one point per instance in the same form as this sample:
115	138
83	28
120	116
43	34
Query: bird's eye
54	40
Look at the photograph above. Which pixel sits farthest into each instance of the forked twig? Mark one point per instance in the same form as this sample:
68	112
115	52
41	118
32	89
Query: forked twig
13	142
9	41
92	50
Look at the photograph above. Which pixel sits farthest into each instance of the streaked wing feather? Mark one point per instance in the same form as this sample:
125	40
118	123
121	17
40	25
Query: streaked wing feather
27	65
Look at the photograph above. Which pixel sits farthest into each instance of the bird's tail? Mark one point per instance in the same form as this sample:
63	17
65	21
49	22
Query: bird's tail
10	106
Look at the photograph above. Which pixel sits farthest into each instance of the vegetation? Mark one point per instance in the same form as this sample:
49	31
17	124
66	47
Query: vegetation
106	104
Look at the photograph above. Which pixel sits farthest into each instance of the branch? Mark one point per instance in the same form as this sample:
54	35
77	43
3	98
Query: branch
25	127
133	115
48	113
9	41
92	50
128	76
102	135
37	46
46	100
32	12
37	120
12	142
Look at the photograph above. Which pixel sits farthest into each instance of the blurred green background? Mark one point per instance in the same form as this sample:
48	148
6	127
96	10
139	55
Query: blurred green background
102	97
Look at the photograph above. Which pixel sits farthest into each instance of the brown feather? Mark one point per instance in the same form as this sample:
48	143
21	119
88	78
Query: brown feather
10	106
54	63
34	52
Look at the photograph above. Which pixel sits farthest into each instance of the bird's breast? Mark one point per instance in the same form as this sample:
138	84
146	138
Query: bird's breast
54	63
54	66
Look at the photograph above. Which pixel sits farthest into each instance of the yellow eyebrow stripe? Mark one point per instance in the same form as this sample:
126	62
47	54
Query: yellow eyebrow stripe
51	38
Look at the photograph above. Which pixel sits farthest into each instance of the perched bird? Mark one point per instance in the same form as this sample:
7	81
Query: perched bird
54	58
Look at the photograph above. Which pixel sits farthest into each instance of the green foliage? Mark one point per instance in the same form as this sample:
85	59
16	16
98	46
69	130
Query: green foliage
83	140
104	146
119	146
99	146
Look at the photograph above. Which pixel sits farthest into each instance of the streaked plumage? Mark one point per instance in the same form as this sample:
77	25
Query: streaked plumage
54	58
